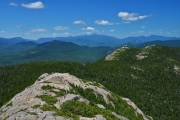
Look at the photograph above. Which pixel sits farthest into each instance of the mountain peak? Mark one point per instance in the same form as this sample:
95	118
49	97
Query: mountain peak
58	96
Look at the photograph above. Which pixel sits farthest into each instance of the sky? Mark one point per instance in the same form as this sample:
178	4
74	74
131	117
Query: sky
33	19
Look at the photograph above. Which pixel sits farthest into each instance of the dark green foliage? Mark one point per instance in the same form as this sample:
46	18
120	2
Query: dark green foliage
70	108
46	107
155	87
121	107
48	87
60	93
151	83
36	106
89	94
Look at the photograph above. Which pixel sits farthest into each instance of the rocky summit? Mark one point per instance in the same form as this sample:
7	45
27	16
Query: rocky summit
61	96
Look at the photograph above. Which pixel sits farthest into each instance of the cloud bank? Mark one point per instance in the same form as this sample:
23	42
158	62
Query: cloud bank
35	5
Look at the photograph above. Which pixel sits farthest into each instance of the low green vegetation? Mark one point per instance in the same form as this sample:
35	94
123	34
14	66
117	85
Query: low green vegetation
32	113
48	87
47	107
48	98
36	106
60	93
74	108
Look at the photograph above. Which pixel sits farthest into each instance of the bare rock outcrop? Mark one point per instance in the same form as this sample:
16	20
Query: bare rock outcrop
27	105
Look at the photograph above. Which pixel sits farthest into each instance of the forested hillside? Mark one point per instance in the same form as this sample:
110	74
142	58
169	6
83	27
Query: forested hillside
57	51
8	49
150	77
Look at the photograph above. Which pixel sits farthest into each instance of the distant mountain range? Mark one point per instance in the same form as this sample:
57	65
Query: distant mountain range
87	48
171	43
93	40
10	41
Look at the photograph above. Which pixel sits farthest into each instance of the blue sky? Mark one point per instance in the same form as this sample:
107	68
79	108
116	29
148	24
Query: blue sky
32	19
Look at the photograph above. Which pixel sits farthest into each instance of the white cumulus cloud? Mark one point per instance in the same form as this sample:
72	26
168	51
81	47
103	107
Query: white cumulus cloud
13	4
90	28
103	22
111	30
37	30
35	5
61	28
125	16
79	22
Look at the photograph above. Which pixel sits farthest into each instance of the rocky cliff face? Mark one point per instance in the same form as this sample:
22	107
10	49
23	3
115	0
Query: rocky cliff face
61	96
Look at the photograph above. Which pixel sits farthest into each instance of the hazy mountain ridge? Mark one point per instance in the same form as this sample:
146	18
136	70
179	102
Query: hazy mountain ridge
93	40
50	96
104	40
171	43
14	40
57	51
